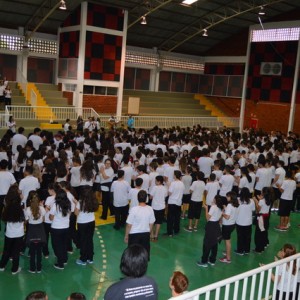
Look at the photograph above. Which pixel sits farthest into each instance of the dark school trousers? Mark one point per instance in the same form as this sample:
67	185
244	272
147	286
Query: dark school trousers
85	235
35	250
12	248
59	239
121	214
142	239
243	238
106	204
47	227
173	219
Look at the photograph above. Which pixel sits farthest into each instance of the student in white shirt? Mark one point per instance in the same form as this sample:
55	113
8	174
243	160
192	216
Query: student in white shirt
228	224
158	195
205	163
14	217
286	201
107	174
139	223
176	190
226	183
212	233
133	192
35	235
197	190
245	180
262	177
50	201
28	183
263	206
244	222
60	216
36	139
85	212
286	277
6	181
120	189
212	188
186	197
75	174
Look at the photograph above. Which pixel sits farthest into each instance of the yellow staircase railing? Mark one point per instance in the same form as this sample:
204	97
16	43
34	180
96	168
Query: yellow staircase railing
215	111
40	107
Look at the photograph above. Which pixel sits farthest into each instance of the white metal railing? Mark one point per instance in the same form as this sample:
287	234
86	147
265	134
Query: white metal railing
3	120
60	114
252	285
168	122
50	113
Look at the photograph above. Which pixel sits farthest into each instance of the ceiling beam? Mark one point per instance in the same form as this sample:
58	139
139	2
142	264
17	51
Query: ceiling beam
151	7
210	20
45	10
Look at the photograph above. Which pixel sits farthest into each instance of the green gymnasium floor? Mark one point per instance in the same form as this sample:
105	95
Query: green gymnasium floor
167	255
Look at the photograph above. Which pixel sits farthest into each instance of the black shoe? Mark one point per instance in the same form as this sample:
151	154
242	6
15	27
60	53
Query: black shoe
102	218
56	266
116	227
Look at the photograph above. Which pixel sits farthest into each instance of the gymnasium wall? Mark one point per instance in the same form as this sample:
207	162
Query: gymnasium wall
40	70
101	104
272	88
8	66
136	79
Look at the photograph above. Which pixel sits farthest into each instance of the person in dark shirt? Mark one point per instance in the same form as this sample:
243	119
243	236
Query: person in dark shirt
136	285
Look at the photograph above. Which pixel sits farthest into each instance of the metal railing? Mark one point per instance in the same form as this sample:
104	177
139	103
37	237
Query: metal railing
147	122
168	122
252	285
44	113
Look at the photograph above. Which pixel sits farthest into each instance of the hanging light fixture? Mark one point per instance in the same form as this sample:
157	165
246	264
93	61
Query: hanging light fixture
204	32
262	11
143	20
62	5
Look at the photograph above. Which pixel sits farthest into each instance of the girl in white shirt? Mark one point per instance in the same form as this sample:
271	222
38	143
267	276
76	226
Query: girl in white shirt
14	217
60	217
197	190
286	201
228	224
263	206
212	233
244	222
35	236
85	208
245	180
285	285
158	195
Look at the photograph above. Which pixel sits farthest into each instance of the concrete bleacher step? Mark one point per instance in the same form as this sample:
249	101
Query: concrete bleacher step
52	95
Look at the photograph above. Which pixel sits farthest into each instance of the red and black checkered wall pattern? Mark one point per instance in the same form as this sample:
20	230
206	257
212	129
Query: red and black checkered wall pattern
105	17
40	70
136	79
224	68
103	54
8	66
268	87
74	18
69	44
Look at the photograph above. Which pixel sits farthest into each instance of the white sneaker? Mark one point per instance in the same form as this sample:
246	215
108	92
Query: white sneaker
16	272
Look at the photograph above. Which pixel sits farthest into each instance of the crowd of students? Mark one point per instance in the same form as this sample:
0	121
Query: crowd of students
52	182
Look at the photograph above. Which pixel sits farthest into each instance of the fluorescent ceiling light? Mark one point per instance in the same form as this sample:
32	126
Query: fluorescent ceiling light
189	2
62	5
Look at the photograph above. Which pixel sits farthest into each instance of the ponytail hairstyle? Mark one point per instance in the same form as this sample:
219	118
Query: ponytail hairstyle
35	206
268	195
245	171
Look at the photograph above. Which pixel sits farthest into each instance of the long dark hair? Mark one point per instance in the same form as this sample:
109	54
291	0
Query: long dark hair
233	198
268	194
88	201
86	170
62	202
13	211
245	171
245	195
